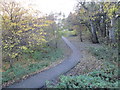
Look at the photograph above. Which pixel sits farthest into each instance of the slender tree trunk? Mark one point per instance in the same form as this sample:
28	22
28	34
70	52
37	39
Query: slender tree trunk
118	42
93	32
56	43
112	31
81	35
99	29
88	26
104	26
119	31
11	62
107	33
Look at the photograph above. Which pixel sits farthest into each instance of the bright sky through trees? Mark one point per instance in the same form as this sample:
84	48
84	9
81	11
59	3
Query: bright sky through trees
52	6
49	6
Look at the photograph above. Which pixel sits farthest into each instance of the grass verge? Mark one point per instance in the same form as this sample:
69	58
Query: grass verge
31	62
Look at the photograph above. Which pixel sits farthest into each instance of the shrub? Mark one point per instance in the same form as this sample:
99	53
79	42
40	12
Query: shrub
96	79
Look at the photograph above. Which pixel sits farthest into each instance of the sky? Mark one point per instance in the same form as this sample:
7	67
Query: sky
51	6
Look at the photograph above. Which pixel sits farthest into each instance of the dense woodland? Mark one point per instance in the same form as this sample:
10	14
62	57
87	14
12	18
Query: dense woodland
28	38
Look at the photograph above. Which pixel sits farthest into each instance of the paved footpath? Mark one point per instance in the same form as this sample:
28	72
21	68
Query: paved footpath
38	80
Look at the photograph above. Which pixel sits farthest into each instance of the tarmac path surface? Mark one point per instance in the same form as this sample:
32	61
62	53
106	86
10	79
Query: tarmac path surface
38	80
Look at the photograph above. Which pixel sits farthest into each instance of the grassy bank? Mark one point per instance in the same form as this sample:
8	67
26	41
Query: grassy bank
30	62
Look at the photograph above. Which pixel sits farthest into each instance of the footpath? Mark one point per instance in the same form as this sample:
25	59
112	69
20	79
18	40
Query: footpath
38	80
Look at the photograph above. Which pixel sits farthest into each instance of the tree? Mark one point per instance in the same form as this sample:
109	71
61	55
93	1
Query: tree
21	30
99	17
90	9
112	11
53	29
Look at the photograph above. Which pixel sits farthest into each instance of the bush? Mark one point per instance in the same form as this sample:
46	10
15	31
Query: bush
16	71
95	79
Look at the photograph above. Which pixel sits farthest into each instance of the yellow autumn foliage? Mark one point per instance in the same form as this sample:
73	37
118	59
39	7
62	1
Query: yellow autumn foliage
20	30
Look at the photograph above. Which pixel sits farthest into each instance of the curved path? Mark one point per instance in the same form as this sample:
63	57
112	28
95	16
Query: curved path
38	80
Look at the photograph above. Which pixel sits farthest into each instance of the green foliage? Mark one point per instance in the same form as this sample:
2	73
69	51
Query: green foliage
15	71
96	79
41	60
36	55
37	66
107	77
86	81
105	52
98	17
68	33
43	54
21	30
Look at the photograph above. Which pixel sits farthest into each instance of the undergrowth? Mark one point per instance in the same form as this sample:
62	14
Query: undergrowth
107	77
106	53
33	61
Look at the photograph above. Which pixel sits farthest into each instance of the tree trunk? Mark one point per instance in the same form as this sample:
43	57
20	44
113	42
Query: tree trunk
104	26
107	33
112	31
88	26
119	31
11	62
81	36
99	29
93	32
112	35
56	43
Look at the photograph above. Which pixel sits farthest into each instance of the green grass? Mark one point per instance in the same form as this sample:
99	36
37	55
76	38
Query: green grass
35	61
107	77
105	52
68	33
